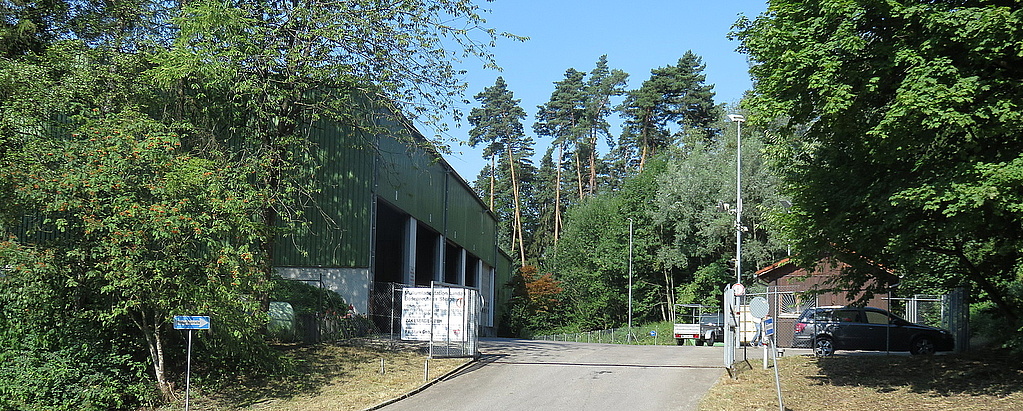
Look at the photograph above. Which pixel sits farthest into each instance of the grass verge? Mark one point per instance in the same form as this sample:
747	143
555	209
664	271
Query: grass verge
328	377
985	380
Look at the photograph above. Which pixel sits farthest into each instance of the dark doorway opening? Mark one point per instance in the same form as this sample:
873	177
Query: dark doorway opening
452	263
472	270
390	244
426	254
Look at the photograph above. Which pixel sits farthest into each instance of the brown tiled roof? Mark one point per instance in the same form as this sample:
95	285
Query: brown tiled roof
777	270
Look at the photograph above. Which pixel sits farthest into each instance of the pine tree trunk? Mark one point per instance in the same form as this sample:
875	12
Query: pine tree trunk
557	197
493	171
518	213
593	162
642	158
579	174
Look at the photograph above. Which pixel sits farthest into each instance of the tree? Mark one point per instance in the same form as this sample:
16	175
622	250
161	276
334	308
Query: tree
689	209
498	123
138	230
603	85
592	260
239	86
560	119
536	304
682	240
673	94
897	131
545	203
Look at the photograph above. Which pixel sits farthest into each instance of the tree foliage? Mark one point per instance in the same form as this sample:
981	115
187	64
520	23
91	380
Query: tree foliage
673	96
681	239
536	303
151	154
133	231
497	123
898	131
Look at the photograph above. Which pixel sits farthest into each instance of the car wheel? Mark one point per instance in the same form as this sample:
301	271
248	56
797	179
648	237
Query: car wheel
823	347
922	346
699	342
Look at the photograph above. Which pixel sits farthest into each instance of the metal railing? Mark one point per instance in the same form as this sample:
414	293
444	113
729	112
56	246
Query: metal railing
462	304
612	336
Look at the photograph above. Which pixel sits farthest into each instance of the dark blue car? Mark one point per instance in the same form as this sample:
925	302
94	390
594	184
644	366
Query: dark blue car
827	329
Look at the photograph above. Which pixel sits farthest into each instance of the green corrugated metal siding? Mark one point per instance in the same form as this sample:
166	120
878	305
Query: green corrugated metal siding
488	244
339	230
411	180
468	222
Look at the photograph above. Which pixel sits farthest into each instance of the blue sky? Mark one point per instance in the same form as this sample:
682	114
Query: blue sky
637	36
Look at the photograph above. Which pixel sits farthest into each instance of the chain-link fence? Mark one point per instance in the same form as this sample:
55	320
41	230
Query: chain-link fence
316	327
449	318
612	336
787	303
385	307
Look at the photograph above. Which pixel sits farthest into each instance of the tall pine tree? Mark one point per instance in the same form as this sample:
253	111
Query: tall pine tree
673	103
561	119
498	124
603	85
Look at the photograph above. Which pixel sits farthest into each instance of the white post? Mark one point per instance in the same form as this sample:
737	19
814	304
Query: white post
738	200
188	370
763	345
738	119
629	338
777	379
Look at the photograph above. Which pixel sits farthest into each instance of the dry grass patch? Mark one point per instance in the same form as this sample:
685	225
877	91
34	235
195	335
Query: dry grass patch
331	377
986	380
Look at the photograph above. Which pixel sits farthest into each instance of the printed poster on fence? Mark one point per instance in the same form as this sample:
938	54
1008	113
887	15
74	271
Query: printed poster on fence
444	308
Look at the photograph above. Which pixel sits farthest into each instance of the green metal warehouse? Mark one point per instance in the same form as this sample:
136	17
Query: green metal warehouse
392	211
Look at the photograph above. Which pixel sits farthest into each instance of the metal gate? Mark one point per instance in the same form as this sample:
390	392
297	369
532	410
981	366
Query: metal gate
786	304
448	318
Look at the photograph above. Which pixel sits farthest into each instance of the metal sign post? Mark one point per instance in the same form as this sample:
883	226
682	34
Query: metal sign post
190	323
767	325
731	325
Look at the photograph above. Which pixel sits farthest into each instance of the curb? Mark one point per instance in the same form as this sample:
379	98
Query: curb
424	386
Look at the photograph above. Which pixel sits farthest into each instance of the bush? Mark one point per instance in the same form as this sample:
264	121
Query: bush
990	328
90	375
308	299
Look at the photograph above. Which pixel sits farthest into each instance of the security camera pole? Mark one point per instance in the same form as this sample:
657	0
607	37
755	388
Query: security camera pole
738	119
737	339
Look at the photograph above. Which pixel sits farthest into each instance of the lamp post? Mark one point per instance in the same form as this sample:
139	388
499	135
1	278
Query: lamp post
733	343
629	338
738	119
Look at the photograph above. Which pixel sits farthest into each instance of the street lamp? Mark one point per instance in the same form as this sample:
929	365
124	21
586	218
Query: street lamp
738	119
629	338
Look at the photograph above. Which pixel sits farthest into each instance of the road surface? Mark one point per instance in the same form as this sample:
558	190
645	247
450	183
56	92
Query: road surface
546	375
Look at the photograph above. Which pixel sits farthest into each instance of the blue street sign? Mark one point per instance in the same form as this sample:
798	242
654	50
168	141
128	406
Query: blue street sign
768	327
191	322
653	333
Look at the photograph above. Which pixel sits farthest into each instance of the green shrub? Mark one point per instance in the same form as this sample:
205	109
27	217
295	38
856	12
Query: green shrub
308	299
90	375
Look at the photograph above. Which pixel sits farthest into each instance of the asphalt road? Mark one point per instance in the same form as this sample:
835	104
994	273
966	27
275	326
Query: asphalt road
545	375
